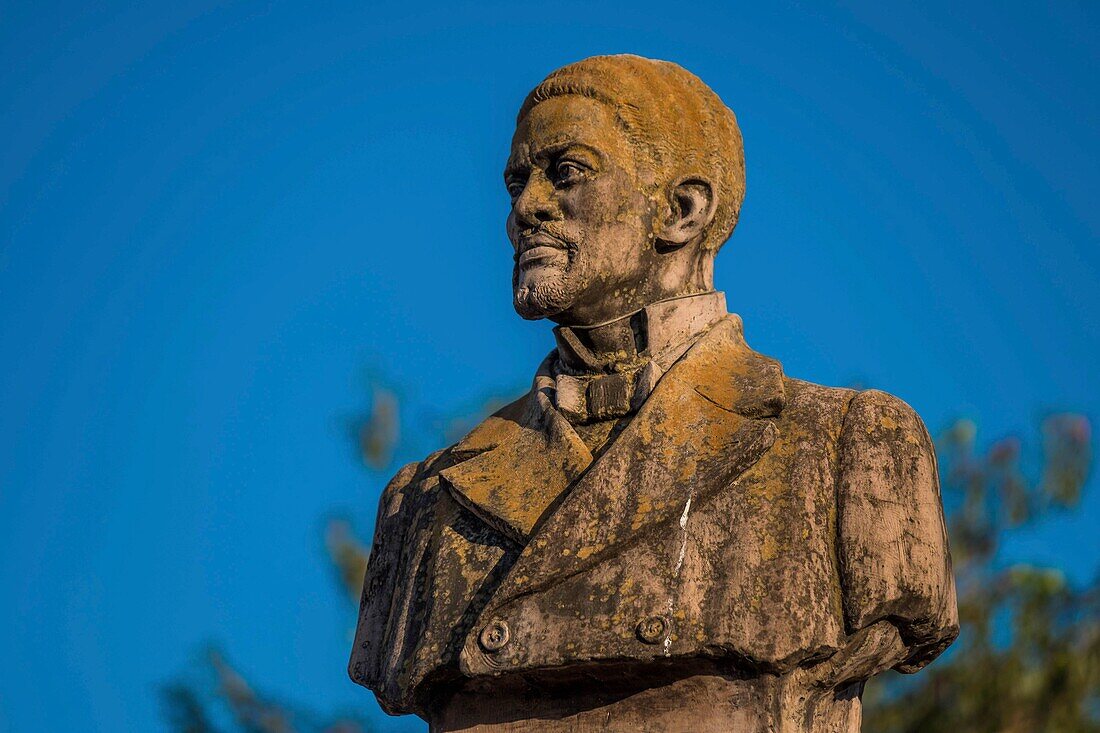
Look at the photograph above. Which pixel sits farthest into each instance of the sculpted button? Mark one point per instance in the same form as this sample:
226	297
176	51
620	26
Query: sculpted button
652	630
494	636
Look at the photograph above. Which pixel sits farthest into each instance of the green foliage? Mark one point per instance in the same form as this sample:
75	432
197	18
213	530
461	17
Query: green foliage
184	710
192	706
378	431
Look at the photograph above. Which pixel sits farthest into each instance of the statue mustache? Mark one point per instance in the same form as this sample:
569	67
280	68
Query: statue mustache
551	230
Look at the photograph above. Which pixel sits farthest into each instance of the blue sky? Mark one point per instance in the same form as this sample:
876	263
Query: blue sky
220	222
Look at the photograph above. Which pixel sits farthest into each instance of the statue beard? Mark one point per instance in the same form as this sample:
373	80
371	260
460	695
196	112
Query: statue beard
546	292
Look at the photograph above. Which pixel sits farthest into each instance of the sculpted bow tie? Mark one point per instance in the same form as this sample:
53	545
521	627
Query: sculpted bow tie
585	399
607	371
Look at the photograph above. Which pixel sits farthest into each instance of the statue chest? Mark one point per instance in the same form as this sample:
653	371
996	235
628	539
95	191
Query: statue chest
747	567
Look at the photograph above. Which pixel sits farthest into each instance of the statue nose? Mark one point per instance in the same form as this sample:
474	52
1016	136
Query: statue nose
535	204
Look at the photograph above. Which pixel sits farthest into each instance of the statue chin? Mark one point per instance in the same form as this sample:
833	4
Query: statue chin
544	297
532	305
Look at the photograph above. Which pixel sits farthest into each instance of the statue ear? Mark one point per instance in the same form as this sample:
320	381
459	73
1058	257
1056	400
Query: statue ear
692	205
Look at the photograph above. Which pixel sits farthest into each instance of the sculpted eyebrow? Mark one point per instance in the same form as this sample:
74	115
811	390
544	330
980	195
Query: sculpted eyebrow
556	149
514	169
518	168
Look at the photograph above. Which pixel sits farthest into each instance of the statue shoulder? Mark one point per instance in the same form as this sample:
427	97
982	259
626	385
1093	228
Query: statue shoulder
817	405
879	416
414	485
854	415
892	535
392	499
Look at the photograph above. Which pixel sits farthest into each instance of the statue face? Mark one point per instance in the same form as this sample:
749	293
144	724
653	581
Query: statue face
580	224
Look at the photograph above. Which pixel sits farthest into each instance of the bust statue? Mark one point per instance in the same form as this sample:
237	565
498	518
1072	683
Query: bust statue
666	532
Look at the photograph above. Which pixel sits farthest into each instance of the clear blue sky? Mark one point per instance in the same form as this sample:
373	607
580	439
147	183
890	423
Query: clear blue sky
216	218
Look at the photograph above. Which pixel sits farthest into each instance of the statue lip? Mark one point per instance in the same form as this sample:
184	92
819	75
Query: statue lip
538	246
539	252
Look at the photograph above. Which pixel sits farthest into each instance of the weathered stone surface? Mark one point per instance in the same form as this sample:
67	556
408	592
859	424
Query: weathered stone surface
666	533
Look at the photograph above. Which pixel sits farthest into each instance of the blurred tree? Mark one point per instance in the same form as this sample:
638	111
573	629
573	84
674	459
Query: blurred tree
224	702
1027	661
377	431
218	698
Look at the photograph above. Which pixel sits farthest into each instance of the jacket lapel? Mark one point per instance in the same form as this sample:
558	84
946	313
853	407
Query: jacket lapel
520	461
704	424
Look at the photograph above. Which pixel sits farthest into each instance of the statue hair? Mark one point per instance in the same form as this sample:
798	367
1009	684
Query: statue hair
677	123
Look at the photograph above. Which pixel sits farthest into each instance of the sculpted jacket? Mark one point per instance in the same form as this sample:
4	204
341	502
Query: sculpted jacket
740	515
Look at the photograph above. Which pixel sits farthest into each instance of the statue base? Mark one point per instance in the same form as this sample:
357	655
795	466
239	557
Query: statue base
702	703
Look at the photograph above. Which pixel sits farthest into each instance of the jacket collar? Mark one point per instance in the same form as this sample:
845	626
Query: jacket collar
514	468
517	462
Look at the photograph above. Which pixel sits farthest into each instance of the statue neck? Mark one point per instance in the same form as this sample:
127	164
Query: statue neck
644	334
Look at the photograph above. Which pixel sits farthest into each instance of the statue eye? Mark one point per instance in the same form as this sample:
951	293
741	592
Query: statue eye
567	172
515	187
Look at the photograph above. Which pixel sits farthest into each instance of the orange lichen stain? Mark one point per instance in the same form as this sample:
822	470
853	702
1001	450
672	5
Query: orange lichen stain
769	548
888	422
586	551
645	506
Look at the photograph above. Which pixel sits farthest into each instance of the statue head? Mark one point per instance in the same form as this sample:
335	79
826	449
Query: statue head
626	176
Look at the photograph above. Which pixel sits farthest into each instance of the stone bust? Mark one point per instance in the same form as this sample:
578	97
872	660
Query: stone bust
666	533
